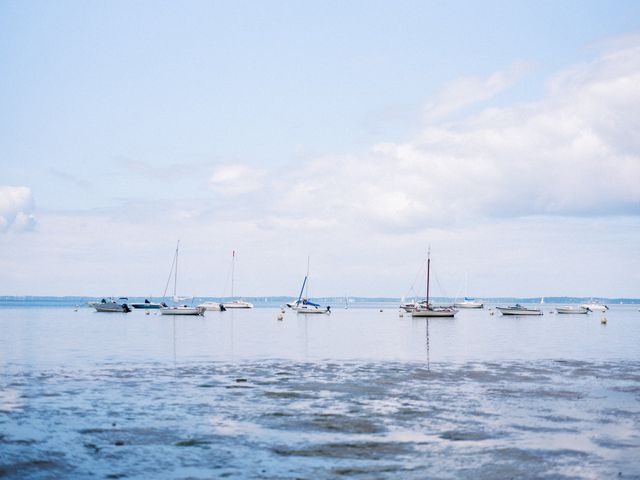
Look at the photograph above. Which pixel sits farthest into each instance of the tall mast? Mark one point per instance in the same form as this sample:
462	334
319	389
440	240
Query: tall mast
233	268
175	278
428	268
306	292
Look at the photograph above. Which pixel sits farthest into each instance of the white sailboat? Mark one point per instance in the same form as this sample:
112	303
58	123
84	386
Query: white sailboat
426	309
235	303
468	302
177	309
304	305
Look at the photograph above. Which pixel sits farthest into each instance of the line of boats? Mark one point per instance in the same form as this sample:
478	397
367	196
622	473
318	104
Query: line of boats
302	304
305	305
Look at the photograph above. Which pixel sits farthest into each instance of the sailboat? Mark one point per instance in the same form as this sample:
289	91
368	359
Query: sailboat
468	302
235	303
304	305
177	309
426	309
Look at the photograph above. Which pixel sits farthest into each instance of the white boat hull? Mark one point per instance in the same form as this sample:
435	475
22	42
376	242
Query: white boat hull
237	304
110	307
519	311
468	305
572	310
182	310
595	307
211	306
309	309
424	312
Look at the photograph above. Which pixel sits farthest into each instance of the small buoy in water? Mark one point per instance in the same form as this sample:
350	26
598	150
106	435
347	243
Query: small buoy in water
603	320
401	314
380	309
280	315
147	312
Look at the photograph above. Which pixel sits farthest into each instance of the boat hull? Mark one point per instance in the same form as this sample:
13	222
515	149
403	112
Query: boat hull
237	305
312	311
468	305
595	307
146	306
182	311
110	307
519	311
572	310
211	306
433	313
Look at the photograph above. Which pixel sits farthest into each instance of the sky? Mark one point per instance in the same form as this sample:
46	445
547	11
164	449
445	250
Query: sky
504	135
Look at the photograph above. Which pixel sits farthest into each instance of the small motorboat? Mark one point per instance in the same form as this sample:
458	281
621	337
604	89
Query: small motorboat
595	306
572	309
146	304
237	304
111	305
214	306
518	309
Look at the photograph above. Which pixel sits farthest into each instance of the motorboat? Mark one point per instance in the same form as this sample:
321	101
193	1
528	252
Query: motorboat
146	305
426	309
572	309
237	304
178	309
214	306
111	305
595	306
518	309
469	302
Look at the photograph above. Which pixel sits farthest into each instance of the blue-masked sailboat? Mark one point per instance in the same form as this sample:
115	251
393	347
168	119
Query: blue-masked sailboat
303	304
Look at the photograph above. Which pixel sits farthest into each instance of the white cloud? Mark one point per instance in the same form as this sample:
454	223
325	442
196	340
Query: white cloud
16	205
236	179
466	91
574	152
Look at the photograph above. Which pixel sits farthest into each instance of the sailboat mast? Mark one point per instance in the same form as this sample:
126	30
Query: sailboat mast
233	269
428	268
306	292
175	278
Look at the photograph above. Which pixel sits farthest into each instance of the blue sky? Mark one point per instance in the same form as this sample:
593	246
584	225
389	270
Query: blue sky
357	132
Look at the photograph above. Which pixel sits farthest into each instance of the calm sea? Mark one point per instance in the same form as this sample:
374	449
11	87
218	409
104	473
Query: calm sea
362	393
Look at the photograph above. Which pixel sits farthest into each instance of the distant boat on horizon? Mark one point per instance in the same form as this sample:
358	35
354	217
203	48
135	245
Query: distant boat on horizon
572	309
304	305
595	306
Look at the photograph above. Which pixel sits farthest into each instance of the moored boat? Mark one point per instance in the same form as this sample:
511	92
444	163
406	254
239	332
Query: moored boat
111	305
146	304
182	310
518	309
426	309
215	306
595	306
572	309
178	309
304	305
238	303
469	302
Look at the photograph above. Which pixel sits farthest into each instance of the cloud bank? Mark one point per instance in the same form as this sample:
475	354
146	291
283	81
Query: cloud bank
575	152
16	207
